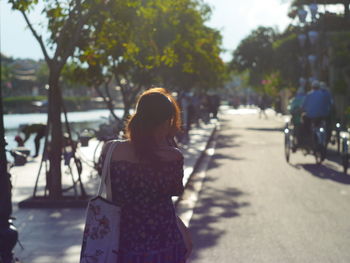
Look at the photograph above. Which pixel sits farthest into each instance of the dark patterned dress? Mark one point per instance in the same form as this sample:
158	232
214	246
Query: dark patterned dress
148	229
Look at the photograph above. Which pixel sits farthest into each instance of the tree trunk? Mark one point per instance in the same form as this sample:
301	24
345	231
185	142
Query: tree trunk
347	9
5	184
55	136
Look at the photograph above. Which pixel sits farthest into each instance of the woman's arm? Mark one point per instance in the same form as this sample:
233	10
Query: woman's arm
186	236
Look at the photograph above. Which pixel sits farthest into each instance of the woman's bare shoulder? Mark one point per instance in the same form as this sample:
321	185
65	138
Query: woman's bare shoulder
125	151
170	153
119	148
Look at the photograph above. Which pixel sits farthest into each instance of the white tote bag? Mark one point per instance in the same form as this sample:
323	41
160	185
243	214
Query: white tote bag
101	233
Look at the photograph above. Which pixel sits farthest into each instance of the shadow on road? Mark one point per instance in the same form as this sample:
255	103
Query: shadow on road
218	159
43	230
223	143
266	129
326	171
215	205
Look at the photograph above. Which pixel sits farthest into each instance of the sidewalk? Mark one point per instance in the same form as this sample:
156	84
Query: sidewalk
54	235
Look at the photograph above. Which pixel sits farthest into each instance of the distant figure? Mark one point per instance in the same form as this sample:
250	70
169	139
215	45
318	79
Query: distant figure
296	111
214	104
296	106
184	104
36	128
19	140
146	171
262	104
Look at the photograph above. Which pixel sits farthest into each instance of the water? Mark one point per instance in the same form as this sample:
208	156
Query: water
12	121
78	121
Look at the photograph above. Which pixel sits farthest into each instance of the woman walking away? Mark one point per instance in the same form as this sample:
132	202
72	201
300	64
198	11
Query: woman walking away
146	170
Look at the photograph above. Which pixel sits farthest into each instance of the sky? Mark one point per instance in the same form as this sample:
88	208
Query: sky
234	18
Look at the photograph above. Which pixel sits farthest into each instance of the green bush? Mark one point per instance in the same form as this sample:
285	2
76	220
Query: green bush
24	99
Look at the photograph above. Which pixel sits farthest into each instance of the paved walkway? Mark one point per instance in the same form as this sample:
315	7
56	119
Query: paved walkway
54	235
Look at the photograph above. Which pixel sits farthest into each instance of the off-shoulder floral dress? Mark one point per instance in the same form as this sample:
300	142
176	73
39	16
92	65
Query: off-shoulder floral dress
149	232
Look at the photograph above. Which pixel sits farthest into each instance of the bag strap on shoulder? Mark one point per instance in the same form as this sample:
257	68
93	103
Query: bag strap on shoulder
105	177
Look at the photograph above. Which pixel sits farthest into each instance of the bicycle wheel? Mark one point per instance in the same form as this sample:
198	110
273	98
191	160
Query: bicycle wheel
287	144
345	154
345	162
320	153
96	155
320	144
338	143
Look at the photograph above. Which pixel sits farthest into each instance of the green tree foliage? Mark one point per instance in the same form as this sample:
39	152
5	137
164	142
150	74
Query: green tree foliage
141	43
286	50
7	73
340	60
255	53
196	48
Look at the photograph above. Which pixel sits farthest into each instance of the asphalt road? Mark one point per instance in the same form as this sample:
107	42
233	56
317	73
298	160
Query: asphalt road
255	207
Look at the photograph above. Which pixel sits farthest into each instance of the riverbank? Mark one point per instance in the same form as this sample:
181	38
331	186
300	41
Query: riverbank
79	121
38	104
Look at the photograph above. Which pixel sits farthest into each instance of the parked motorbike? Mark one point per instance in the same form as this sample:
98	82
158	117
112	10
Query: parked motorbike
8	232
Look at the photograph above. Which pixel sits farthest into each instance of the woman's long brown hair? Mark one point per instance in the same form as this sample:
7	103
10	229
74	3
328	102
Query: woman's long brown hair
154	107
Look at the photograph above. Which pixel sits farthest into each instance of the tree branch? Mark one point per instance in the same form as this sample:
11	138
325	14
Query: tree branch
61	39
37	37
107	101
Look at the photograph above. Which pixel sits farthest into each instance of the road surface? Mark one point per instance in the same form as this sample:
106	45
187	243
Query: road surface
255	207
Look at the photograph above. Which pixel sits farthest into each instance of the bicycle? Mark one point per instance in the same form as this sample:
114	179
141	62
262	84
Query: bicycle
8	232
317	144
105	132
345	154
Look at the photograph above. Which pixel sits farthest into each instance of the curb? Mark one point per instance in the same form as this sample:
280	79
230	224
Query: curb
191	191
202	154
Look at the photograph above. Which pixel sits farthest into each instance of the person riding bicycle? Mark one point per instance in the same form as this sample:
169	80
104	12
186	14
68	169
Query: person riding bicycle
316	107
295	108
331	116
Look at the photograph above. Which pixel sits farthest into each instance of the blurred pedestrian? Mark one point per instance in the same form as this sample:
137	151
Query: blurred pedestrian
146	171
19	140
185	104
214	104
37	128
262	104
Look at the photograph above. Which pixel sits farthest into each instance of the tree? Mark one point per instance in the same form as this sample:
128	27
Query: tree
65	23
7	73
188	49
286	53
147	42
255	52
